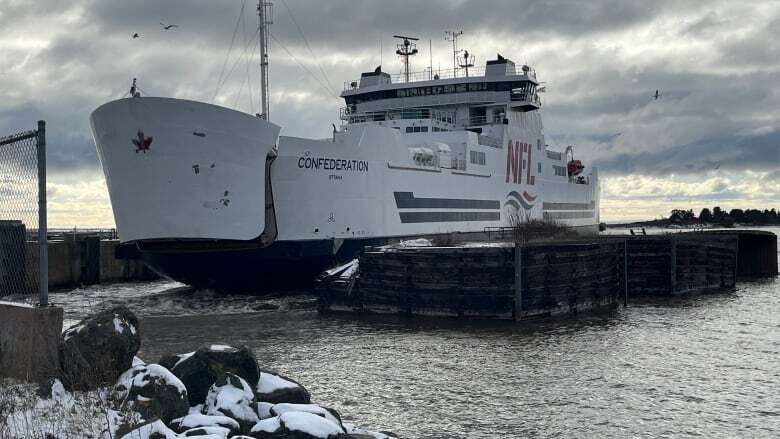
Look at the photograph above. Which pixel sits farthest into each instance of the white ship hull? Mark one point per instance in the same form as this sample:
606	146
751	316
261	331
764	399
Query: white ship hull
196	203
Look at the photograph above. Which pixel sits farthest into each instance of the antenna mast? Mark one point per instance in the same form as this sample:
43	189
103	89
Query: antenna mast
405	50
265	18
452	35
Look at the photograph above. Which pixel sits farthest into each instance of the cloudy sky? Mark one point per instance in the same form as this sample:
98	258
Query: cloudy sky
712	139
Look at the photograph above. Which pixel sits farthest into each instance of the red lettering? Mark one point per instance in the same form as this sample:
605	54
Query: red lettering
529	178
512	162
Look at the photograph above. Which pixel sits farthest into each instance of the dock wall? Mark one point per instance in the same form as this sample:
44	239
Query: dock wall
500	282
546	278
88	261
665	265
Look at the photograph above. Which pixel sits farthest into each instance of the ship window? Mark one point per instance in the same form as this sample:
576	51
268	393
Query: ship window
424	129
435	129
409	129
540	167
539	144
559	171
477	157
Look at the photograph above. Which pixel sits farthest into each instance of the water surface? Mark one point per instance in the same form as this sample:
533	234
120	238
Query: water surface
702	366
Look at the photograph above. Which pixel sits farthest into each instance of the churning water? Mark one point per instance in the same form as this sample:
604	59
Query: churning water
706	365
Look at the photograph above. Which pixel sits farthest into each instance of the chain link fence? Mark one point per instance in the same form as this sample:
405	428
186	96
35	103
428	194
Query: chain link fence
23	249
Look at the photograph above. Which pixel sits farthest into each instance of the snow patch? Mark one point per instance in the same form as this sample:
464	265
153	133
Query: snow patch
310	424
195	420
156	429
264	410
353	429
137	362
118	324
139	376
221	347
269	425
229	399
269	383
282	408
421	242
183	357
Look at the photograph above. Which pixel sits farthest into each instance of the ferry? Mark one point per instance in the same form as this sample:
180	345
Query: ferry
216	198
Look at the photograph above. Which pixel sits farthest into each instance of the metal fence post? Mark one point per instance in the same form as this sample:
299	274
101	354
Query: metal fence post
43	244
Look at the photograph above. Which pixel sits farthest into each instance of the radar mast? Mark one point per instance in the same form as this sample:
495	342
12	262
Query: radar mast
405	50
466	62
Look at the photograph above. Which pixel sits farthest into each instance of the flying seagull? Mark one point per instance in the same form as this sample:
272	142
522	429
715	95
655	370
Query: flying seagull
657	95
135	35
168	26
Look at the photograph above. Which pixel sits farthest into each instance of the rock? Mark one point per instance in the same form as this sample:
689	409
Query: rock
296	425
193	421
324	412
275	388
99	348
152	391
231	396
51	389
263	409
200	369
152	430
220	432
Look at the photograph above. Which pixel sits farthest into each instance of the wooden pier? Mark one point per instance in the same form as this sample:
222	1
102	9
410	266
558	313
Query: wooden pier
514	281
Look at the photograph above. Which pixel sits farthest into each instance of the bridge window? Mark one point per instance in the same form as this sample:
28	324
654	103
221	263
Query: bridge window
540	167
559	171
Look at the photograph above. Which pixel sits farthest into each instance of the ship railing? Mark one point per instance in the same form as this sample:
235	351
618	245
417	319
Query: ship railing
526	97
486	120
346	114
428	75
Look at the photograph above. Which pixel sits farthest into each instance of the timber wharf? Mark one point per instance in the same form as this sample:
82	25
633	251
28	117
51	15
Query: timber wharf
546	277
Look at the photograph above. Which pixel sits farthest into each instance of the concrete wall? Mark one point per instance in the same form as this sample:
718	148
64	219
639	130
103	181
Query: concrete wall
29	341
70	262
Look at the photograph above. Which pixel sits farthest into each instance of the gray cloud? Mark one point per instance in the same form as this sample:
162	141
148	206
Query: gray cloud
716	67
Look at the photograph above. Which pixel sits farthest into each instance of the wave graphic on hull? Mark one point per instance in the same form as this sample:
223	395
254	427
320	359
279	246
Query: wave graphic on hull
516	200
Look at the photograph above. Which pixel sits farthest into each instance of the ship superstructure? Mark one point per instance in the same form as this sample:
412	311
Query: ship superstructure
217	199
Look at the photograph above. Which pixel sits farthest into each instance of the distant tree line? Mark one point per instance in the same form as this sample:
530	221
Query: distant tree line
722	217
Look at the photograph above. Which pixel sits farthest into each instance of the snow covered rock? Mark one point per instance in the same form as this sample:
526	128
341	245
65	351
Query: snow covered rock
153	430
99	348
326	413
152	391
198	420
200	369
231	396
263	410
296	425
275	388
216	432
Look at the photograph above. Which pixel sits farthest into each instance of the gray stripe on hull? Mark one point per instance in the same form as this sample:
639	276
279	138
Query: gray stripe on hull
569	215
444	217
406	200
569	206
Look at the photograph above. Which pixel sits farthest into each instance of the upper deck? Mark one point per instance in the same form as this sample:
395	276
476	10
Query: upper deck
499	81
